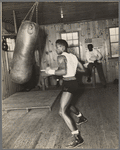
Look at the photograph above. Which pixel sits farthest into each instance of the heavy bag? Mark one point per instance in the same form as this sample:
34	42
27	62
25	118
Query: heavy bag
23	55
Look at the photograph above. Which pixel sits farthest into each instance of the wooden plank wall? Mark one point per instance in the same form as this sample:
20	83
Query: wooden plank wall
47	51
8	87
95	30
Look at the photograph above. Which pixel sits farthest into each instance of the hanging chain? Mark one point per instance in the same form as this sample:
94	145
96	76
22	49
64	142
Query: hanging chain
30	18
29	11
32	9
37	12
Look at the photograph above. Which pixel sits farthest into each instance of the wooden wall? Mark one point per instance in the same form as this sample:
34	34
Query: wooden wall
7	86
97	31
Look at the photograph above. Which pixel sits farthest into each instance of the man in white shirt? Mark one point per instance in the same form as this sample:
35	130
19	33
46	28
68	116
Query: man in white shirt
94	57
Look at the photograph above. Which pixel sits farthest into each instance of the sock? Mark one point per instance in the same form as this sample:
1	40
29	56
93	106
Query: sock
75	132
79	115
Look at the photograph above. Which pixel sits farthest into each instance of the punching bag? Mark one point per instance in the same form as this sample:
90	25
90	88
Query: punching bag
23	55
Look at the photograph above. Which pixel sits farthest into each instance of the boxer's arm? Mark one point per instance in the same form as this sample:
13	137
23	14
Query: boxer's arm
80	67
62	66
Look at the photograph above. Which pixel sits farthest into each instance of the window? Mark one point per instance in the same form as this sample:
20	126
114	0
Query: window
72	39
114	42
9	53
11	44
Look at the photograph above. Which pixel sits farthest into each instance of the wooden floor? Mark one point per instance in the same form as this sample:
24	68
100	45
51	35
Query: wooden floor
41	128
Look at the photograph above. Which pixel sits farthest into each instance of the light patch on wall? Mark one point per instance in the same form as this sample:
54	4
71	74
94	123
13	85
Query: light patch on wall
88	40
61	13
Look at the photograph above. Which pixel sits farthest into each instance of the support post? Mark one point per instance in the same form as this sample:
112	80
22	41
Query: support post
93	77
15	25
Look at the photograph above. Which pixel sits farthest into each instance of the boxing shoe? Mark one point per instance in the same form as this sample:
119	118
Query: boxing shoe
77	140
81	120
88	79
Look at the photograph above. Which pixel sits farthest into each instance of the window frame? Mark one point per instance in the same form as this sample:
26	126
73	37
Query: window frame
78	45
9	52
112	42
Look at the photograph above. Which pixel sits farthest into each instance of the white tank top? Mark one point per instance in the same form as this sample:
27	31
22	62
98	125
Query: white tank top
72	63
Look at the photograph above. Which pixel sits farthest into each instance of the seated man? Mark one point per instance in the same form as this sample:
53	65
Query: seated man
94	57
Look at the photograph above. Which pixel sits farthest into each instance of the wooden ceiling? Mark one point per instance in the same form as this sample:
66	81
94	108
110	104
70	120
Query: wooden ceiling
50	12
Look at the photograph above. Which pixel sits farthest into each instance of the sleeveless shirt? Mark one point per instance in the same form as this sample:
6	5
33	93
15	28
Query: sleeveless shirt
72	63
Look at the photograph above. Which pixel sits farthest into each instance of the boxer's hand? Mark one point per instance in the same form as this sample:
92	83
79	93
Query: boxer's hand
85	65
49	71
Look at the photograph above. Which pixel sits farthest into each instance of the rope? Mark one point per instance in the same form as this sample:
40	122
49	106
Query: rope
32	12
29	11
32	9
